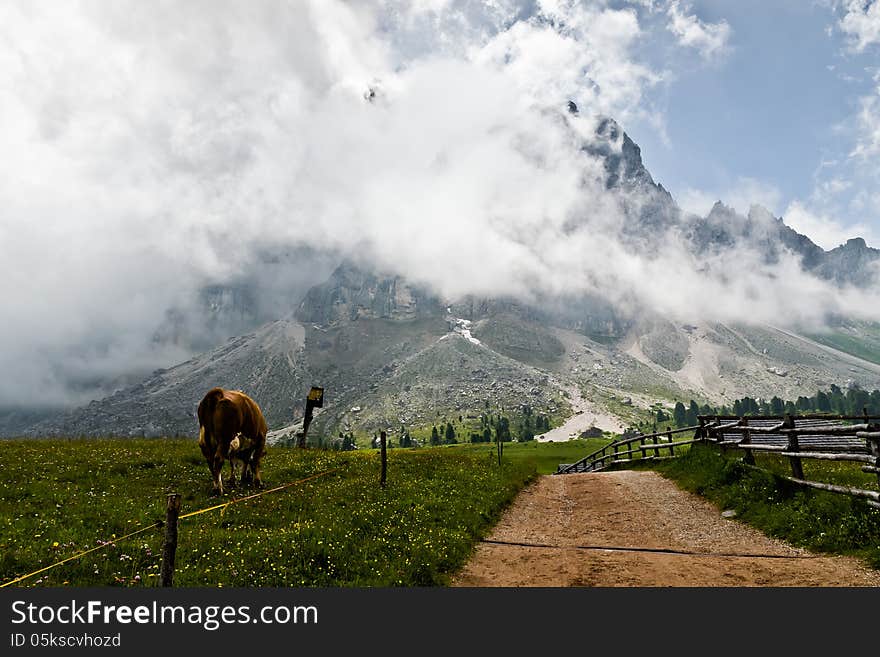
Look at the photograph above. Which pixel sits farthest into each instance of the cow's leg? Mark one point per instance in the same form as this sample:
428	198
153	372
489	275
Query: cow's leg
217	471
210	457
233	456
232	481
247	474
255	466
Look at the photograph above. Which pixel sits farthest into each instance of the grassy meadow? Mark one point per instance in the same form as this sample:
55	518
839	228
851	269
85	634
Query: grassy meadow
60	497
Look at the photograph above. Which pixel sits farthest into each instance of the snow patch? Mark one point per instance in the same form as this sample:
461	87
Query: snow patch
463	328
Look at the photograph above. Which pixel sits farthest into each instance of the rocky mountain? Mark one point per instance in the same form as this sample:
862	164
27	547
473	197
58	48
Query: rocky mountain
852	263
391	354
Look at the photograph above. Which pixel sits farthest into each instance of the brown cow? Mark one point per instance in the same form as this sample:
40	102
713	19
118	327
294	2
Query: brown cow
231	426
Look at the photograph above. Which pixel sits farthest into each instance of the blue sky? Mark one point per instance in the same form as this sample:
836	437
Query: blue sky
772	118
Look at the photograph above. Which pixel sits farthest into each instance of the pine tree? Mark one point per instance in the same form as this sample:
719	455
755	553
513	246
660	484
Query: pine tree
777	406
679	414
450	434
693	411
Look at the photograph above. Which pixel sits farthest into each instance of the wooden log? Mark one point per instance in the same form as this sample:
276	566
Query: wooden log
870	468
833	488
685	442
764	448
828	430
746	428
669	440
867	435
169	549
642	445
824	456
675	444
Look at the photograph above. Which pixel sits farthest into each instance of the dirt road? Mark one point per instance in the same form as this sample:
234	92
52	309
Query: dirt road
632	528
585	414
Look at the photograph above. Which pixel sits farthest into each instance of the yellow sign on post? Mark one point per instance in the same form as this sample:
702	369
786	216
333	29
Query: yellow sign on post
316	397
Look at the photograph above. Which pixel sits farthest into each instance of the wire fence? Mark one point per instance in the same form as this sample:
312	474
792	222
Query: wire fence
159	523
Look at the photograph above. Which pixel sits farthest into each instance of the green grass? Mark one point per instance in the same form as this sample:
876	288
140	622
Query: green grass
865	344
544	457
59	497
813	519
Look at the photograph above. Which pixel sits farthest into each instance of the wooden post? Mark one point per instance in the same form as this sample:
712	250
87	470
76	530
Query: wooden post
656	440
384	455
874	448
797	468
669	438
315	399
500	450
172	510
616	447
747	440
642	446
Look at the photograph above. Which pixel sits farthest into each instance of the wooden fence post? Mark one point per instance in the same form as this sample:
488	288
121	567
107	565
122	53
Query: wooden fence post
642	446
384	455
616	448
656	449
669	438
797	468
874	447
172	510
747	440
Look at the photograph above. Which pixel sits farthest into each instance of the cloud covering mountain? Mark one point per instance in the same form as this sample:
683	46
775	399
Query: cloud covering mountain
152	153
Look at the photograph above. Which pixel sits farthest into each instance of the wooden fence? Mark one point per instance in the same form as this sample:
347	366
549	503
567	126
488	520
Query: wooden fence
848	438
633	448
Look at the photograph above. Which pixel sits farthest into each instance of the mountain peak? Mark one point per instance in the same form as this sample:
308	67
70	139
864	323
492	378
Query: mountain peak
856	243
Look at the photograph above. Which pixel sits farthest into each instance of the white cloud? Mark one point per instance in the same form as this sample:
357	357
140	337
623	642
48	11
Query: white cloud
149	149
860	22
868	125
740	196
709	39
824	230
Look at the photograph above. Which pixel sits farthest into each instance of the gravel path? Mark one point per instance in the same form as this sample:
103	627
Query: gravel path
585	414
631	528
